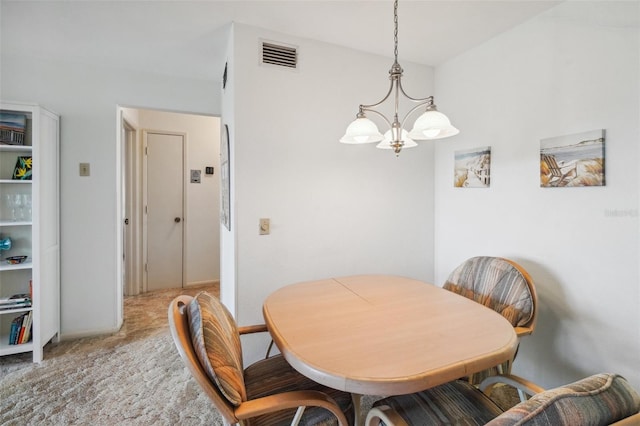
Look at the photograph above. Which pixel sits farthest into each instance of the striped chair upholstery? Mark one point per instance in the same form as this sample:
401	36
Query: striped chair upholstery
454	403
216	340
495	283
499	284
260	379
601	399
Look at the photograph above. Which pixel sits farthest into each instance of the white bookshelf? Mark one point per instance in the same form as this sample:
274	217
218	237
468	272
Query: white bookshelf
34	231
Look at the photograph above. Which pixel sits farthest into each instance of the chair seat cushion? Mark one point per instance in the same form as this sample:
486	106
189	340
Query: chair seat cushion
454	403
601	399
274	375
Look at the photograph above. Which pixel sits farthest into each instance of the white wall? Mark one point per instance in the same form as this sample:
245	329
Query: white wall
335	209
202	238
572	69
228	264
86	98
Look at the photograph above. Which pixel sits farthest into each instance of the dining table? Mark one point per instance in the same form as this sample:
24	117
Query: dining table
384	334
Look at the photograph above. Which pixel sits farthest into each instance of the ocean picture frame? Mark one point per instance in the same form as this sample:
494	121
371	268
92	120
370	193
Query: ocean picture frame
472	168
573	160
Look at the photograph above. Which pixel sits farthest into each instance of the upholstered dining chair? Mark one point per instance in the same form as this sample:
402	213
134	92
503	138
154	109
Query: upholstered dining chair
502	285
601	399
268	392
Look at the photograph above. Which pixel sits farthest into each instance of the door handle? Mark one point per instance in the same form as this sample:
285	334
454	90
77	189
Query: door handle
176	220
126	221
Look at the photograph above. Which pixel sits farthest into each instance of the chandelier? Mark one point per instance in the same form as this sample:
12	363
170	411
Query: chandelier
432	124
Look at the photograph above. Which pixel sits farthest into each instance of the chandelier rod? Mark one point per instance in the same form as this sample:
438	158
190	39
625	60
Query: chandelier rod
395	30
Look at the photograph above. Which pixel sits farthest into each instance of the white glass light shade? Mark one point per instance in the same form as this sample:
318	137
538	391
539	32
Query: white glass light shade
386	142
362	130
432	125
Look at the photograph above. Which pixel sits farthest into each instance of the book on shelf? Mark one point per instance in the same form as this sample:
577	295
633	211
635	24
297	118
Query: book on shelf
21	329
14	331
16	325
27	330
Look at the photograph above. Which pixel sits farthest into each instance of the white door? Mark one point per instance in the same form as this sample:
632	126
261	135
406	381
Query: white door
164	210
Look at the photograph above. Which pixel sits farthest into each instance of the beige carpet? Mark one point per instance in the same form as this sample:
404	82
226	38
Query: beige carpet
133	377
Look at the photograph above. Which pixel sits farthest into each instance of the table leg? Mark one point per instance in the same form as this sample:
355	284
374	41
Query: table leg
357	407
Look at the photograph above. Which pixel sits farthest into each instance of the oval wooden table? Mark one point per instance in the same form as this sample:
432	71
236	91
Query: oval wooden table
384	335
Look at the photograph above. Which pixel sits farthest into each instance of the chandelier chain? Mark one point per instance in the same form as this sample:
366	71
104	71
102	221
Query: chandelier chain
395	32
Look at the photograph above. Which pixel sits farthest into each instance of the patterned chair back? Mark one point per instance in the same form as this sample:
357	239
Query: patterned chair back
601	399
180	324
499	284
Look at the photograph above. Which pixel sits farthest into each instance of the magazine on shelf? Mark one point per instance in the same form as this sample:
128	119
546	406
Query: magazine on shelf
15	302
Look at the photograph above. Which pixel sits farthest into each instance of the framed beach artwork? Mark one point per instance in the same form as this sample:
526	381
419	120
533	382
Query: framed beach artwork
573	160
472	168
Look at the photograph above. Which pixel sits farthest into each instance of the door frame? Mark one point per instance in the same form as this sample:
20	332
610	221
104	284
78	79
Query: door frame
131	233
145	133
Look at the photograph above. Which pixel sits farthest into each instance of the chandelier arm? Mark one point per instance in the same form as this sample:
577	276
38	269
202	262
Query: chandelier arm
365	108
428	99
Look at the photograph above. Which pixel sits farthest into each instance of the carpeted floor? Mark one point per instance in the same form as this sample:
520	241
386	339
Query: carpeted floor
133	377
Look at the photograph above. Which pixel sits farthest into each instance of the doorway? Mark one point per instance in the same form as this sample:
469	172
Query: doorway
200	216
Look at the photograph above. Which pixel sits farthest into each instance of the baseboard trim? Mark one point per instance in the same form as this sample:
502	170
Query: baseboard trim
202	283
87	333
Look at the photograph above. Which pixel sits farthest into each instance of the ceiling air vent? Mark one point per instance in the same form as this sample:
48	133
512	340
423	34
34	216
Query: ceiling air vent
279	55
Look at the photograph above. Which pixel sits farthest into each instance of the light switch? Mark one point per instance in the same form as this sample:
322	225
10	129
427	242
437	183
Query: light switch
265	226
85	169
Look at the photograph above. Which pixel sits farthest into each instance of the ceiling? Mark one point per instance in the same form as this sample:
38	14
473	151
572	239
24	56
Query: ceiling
168	36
